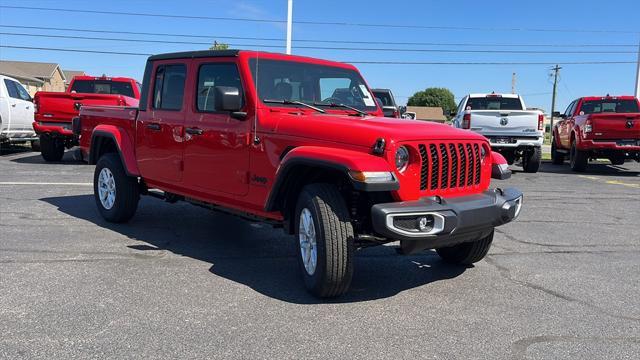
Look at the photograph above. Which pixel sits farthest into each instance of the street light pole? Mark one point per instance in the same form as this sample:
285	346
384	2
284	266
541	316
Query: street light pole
289	23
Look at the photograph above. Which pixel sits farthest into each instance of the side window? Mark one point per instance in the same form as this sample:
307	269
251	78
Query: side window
169	87
11	89
570	108
22	92
212	75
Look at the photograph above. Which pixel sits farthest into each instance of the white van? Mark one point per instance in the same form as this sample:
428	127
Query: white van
16	113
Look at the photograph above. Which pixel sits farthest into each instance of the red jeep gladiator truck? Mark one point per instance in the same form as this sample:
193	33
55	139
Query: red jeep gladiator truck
597	127
54	111
299	143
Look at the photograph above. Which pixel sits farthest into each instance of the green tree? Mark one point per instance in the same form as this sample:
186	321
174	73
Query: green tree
437	97
219	46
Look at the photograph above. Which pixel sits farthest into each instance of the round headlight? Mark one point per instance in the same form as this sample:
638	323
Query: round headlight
402	158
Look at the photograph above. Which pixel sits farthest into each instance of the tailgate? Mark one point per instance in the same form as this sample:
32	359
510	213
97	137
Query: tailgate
501	122
62	107
616	126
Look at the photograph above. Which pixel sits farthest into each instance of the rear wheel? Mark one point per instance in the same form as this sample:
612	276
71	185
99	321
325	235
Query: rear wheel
617	160
556	157
116	194
467	253
579	159
52	149
35	145
531	160
324	240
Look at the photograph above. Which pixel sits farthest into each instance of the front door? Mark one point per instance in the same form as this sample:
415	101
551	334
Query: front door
20	106
216	155
160	129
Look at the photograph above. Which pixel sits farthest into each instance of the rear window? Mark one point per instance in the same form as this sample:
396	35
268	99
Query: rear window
384	98
103	87
609	106
494	103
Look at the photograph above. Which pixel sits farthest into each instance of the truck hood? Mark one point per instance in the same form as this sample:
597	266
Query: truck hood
364	131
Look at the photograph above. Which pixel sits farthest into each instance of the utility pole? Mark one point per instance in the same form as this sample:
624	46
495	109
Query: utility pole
289	23
513	83
556	69
638	74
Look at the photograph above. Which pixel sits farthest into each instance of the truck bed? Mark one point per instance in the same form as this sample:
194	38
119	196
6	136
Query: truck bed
123	117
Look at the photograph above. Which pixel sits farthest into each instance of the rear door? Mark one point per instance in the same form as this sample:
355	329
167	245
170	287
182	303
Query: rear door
160	129
216	155
566	125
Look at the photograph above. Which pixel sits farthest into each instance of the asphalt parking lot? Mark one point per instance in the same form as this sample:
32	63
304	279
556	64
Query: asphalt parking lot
180	281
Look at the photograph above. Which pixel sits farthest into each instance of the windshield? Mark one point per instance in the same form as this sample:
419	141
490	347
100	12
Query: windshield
494	103
310	83
609	106
102	87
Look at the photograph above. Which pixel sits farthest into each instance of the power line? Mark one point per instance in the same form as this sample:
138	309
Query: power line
335	23
103	31
346	61
448	51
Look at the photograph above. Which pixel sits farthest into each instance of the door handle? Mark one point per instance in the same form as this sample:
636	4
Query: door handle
13	105
194	131
27	107
153	126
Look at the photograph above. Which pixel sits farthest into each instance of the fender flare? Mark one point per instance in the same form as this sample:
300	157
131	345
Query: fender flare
341	160
124	146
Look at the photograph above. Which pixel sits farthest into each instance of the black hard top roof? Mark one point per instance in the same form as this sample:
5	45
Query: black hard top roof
195	54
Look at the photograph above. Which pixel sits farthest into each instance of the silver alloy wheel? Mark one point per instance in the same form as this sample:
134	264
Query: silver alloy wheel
308	243
106	188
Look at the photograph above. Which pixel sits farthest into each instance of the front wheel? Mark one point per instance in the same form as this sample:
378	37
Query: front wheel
467	253
556	157
116	194
324	239
531	160
579	159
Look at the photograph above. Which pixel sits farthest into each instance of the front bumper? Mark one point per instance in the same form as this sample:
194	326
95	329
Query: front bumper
18	136
453	220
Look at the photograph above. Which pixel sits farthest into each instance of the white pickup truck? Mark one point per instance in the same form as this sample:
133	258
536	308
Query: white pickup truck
513	131
16	113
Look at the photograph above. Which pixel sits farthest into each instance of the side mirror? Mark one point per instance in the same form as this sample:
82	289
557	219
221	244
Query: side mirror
500	167
227	98
453	113
557	114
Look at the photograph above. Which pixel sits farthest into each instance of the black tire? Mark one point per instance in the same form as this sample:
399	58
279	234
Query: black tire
52	149
510	157
127	190
35	145
578	159
531	160
556	157
467	253
617	160
333	232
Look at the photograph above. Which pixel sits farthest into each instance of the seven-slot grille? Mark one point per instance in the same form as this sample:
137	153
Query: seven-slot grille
449	165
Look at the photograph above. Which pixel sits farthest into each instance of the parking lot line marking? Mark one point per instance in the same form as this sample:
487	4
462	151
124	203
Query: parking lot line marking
611	182
46	183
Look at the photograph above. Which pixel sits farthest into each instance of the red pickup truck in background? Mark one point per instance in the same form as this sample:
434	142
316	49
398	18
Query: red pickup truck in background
298	143
54	111
598	127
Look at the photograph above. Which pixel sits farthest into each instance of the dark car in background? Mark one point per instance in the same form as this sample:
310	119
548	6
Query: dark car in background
387	101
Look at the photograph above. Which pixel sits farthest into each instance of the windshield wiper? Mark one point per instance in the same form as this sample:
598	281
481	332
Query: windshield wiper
292	102
333	105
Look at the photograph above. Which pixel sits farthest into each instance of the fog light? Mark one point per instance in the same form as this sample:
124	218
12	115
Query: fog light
425	223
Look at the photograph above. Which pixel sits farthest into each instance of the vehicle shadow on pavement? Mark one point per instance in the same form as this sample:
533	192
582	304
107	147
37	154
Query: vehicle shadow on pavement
255	255
36	158
602	169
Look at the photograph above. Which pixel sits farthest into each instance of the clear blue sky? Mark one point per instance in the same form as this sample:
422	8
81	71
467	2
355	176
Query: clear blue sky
532	80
